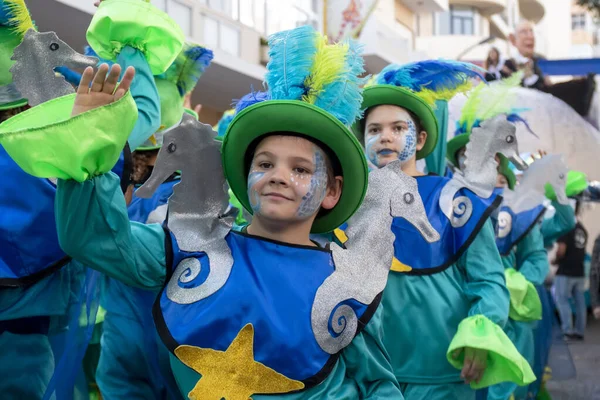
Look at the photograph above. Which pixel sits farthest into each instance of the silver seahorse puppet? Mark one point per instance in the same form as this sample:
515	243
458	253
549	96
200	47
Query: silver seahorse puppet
197	209
496	135
358	274
35	59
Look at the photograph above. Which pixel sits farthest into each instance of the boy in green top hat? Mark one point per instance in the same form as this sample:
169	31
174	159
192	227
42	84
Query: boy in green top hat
265	311
133	363
445	302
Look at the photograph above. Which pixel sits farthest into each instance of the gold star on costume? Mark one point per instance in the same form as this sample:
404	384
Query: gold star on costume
400	267
233	374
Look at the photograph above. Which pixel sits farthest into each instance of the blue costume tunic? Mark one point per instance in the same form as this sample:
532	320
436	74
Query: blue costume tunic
137	255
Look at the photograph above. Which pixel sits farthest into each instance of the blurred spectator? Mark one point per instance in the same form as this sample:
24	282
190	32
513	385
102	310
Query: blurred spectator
497	67
526	60
570	280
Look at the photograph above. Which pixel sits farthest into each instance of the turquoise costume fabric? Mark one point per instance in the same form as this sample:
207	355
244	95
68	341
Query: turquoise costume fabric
135	254
473	285
133	361
436	161
529	258
561	223
58	297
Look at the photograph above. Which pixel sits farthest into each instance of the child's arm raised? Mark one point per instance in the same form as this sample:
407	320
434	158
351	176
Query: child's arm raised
92	222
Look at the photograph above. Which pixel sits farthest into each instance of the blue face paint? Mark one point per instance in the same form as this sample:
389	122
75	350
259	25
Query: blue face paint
409	148
253	195
311	201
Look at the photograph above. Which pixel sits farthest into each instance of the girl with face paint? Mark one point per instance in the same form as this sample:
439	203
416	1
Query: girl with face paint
460	274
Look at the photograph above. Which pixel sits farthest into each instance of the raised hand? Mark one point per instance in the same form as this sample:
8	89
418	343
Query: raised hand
474	365
102	91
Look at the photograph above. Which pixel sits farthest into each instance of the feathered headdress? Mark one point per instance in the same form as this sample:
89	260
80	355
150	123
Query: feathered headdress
14	13
224	122
304	66
432	80
487	101
188	67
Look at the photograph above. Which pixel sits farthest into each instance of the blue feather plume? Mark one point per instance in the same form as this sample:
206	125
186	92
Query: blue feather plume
291	57
5	14
343	97
514	118
435	75
189	67
251	99
224	124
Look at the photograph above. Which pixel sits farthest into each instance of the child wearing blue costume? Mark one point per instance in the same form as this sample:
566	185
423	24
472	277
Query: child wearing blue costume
43	290
133	363
519	237
445	302
263	311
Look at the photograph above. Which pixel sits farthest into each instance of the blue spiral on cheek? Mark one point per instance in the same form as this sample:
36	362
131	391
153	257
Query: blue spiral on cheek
410	143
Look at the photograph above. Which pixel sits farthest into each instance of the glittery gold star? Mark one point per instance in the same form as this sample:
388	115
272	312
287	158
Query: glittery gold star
397	266
233	374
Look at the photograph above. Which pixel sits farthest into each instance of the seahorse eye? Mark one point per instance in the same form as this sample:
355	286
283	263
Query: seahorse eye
510	139
54	46
171	147
409	198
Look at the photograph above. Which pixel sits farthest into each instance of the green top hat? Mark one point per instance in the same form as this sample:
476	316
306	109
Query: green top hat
314	94
179	80
416	87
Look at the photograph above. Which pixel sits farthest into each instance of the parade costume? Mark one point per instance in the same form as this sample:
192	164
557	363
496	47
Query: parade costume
240	314
518	235
133	362
460	274
49	285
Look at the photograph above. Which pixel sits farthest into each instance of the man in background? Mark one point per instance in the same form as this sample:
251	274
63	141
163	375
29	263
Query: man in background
526	60
570	280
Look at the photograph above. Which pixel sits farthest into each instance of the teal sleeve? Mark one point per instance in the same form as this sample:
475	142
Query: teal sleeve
144	93
93	228
560	224
485	286
532	259
368	362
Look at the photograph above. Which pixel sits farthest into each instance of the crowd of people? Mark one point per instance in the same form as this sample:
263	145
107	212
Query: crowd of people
296	250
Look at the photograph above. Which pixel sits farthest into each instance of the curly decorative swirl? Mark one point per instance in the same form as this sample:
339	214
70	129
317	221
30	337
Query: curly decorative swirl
504	224
343	324
462	209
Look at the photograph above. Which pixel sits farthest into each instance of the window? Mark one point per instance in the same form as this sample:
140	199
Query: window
221	35
578	21
181	14
459	20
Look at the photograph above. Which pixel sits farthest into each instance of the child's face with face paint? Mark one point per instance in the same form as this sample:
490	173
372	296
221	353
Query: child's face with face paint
391	134
288	180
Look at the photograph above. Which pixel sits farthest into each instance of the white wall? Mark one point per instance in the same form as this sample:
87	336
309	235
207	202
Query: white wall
554	31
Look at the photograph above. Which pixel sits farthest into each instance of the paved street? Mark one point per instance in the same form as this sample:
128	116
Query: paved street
586	355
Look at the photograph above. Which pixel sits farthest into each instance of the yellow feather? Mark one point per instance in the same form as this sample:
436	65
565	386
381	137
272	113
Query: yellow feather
21	19
431	96
328	65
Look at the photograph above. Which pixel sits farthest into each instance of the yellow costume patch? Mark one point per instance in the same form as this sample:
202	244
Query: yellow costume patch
397	266
233	374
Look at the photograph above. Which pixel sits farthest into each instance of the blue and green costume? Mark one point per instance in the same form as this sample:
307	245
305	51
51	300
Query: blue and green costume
450	294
